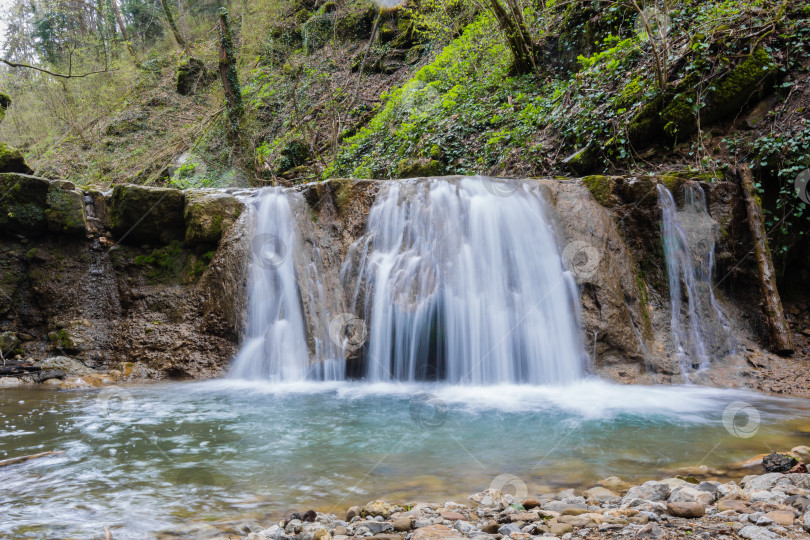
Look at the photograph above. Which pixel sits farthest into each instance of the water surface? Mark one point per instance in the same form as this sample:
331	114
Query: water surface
185	456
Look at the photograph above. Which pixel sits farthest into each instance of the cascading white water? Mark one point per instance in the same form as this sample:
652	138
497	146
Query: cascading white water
461	280
700	330
275	344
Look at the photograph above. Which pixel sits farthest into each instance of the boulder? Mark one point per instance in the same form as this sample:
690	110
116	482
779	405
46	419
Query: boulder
190	74
778	463
802	453
70	366
765	482
208	214
141	214
418	168
8	343
12	161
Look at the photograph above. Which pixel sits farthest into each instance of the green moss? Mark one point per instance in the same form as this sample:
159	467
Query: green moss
421	167
631	94
601	187
12	160
65	212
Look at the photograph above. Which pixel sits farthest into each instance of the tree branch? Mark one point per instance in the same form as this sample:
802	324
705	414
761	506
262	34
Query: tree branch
69	75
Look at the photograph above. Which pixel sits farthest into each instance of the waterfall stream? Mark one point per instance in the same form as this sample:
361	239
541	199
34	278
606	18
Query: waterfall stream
461	280
700	330
458	280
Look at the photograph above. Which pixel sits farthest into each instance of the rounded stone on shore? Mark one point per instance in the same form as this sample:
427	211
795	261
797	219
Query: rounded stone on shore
686	509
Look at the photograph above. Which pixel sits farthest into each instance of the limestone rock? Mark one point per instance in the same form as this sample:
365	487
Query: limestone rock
141	214
490	498
753	532
208	214
70	366
435	532
378	508
601	494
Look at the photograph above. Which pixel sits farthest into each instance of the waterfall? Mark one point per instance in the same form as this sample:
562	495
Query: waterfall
462	280
275	344
700	330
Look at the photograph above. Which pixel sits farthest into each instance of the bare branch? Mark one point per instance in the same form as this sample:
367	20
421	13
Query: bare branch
69	75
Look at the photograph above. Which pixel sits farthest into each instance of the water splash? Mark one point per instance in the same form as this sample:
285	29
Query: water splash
461	280
700	330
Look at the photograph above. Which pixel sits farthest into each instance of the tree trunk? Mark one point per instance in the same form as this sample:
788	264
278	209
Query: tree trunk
123	30
517	37
177	37
230	79
781	341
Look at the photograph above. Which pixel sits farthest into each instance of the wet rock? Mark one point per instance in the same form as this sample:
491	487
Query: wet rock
142	214
648	491
686	509
778	463
48	374
754	532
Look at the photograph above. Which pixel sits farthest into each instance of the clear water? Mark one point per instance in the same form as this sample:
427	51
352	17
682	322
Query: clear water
194	458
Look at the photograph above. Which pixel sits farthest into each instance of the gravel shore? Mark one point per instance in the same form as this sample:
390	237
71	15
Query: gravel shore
760	507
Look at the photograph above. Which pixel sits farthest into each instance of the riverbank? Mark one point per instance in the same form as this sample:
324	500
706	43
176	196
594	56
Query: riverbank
761	507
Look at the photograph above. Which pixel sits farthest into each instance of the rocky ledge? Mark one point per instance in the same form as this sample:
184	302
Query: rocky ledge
761	507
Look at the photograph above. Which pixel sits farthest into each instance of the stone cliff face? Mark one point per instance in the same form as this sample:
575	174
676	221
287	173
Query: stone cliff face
150	282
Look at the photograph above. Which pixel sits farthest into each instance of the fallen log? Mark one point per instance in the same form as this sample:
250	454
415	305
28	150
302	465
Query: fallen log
780	340
23	459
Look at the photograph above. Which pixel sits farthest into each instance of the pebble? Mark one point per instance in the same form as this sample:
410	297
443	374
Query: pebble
686	509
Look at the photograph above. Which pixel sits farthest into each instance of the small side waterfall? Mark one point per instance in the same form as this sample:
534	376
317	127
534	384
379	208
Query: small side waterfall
461	280
700	330
275	342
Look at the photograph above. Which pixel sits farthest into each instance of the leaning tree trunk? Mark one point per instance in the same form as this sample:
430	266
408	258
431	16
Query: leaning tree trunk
124	34
517	36
177	36
781	341
230	79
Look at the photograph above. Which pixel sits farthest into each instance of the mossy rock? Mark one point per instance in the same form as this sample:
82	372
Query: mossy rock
8	342
190	74
355	21
583	161
208	214
673	117
294	154
141	214
22	207
126	123
317	31
12	161
419	168
601	187
65	208
5	103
